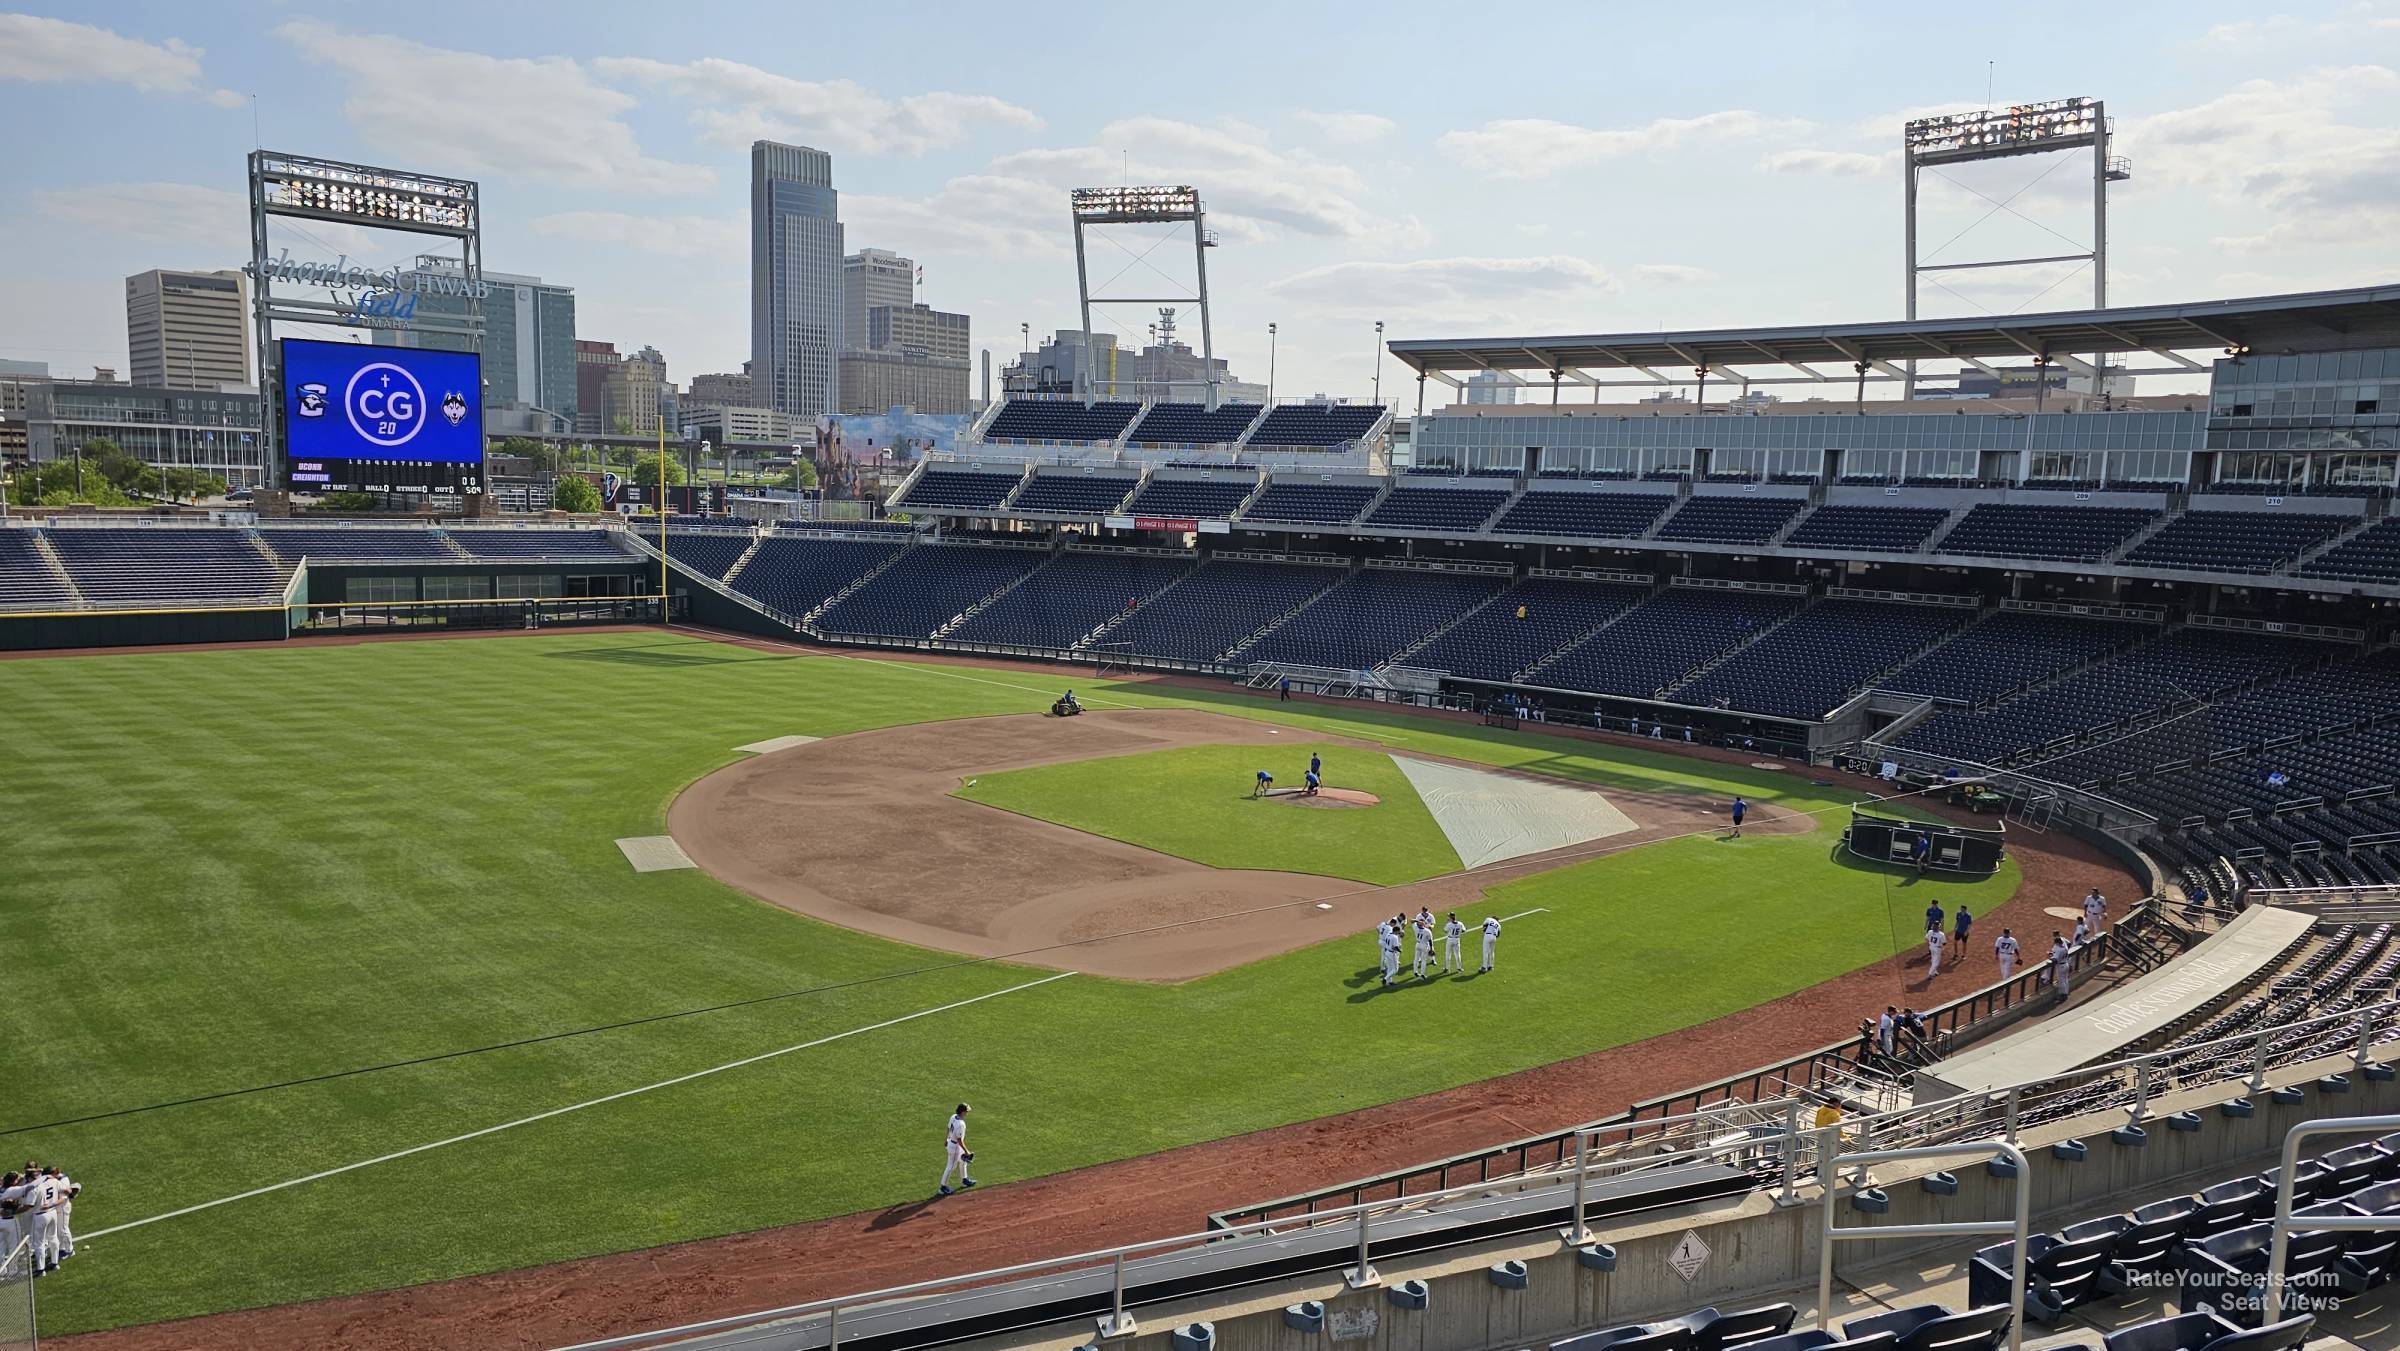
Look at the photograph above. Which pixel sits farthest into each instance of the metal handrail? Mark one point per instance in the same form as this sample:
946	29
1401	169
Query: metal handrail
1829	1169
2280	1237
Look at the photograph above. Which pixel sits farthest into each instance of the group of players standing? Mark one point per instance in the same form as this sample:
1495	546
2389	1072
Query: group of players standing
37	1209
1453	935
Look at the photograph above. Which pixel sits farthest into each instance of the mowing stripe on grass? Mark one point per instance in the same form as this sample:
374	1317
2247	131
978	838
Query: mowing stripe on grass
573	1107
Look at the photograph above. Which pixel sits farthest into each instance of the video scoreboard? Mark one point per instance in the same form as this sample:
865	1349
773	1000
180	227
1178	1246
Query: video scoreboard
381	419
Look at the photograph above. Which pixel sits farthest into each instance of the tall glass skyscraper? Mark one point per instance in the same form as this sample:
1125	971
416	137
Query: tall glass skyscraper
795	279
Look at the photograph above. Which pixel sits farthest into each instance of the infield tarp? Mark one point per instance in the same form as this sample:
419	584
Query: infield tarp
1491	818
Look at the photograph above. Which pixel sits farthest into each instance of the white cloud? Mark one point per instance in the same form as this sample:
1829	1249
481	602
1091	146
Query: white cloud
989	215
211	218
1251	189
1827	163
1350	128
211	224
736	104
1887	127
51	50
1438	290
2317	155
1532	147
726	238
543	117
1672	274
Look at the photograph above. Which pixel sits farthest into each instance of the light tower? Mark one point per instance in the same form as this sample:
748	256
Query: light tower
2003	133
1144	206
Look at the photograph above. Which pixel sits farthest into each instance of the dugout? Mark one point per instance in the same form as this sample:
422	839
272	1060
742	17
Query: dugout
1962	851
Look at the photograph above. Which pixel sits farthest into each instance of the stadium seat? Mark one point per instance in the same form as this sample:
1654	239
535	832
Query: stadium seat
1730	520
1061	420
1071	596
1304	426
796	573
2201	1330
1073	494
2062	1270
1194	499
1462	510
956	489
1191	424
928	587
1582	515
1372	615
1216	606
1932	1327
2236	541
2023	530
1311	503
539	544
339	544
27	579
182	565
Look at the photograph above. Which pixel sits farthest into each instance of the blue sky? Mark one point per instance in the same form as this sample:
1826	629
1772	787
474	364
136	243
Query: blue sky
1444	169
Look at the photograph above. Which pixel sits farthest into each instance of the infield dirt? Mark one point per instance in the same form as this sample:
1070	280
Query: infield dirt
863	831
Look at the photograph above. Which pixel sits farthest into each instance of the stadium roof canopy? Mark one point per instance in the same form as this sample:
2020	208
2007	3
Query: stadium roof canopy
2313	321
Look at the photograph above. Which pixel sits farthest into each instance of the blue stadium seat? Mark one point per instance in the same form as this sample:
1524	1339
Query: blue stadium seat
2237	541
1060	420
1074	494
358	544
1810	666
178	565
2024	530
1535	618
1074	594
1582	515
926	588
1311	503
1867	529
795	573
1303	426
1194	499
1660	641
1192	424
1461	510
957	489
1216	606
27	579
1730	520
1370	617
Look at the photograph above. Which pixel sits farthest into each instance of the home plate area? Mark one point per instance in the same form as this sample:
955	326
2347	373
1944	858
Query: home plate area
1492	818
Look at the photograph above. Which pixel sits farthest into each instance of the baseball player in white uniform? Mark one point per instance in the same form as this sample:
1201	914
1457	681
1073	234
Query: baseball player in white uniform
1934	938
1422	952
67	1191
39	1203
1452	933
12	1230
2095	910
1389	943
2059	956
1491	940
957	1156
2005	948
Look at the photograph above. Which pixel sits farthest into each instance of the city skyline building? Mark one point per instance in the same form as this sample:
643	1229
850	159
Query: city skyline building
188	330
528	339
796	303
872	278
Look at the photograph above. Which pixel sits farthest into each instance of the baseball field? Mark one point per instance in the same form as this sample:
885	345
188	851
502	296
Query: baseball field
329	974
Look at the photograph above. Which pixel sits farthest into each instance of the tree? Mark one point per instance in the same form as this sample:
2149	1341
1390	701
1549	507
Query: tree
623	424
802	475
576	494
53	484
347	502
646	472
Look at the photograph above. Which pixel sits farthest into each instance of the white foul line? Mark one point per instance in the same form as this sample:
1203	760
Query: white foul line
573	1107
1537	910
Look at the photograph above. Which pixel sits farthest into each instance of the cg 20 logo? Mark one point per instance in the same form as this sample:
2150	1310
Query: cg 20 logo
385	404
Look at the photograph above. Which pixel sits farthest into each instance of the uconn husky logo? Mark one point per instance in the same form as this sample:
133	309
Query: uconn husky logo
385	404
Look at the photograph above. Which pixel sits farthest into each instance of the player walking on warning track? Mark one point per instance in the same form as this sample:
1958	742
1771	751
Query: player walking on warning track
956	1154
1491	940
1452	958
1959	929
2005	948
1740	810
1934	938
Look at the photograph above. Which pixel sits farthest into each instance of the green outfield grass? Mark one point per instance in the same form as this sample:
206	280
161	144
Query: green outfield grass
1196	803
256	866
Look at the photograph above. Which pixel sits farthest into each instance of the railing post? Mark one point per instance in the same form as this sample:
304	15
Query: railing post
1791	1153
1575	1234
2141	1093
1363	1275
2366	1040
833	1328
2015	1116
1116	1324
2258	1064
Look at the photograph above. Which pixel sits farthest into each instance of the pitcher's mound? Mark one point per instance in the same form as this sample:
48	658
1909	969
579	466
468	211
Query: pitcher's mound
1326	797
